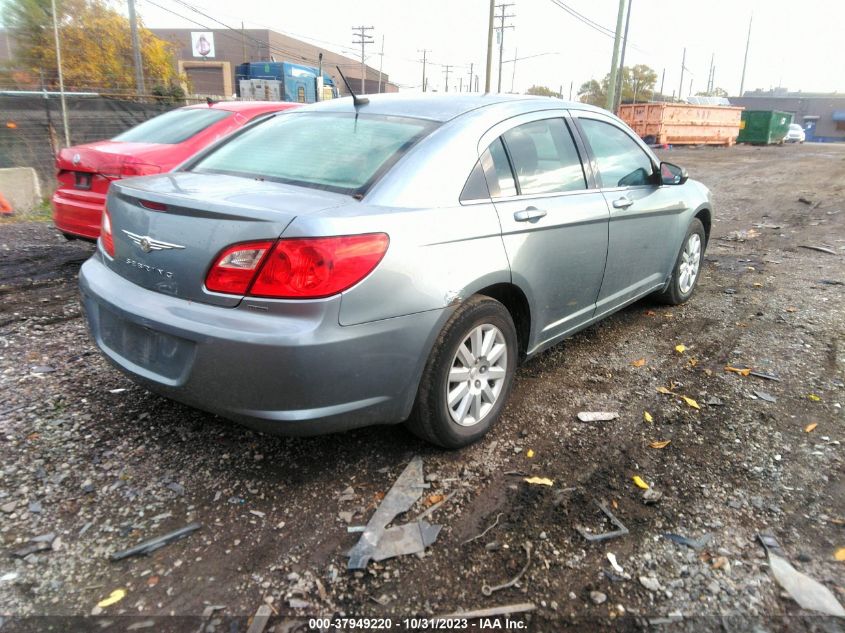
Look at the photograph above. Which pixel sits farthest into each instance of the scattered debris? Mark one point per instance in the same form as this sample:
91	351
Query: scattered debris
741	236
837	555
713	401
487	590
742	371
808	593
298	603
620	531
9	576
596	416
639	482
831	282
660	444
432	509
32	548
760	374
810	427
690	402
765	396
147	547
696	544
42	369
680	348
492	612
539	481
598	597
805	200
405	539
529	453
651	496
260	619
638	363
258	513
114	597
647	417
821	249
490	527
611	557
651	583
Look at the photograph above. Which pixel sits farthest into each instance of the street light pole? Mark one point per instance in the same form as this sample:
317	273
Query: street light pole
61	75
490	46
611	87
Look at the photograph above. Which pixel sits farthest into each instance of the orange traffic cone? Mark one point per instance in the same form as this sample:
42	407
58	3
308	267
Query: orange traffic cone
5	207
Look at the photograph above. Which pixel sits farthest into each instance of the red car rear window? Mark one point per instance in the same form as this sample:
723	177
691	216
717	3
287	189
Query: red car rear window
173	127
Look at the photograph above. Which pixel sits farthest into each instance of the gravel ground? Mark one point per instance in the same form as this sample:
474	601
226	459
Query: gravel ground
92	464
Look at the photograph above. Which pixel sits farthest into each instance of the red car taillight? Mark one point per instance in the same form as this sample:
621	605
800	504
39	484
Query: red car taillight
308	268
105	233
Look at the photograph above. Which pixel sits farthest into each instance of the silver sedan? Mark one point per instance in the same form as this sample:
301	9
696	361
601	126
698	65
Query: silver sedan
354	264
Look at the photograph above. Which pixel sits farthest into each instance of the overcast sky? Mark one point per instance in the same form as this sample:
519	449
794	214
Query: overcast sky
798	46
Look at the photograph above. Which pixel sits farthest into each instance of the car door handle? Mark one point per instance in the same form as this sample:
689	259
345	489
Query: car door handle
622	203
529	215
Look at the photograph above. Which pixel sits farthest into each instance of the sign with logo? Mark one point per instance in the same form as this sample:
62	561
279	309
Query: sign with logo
202	43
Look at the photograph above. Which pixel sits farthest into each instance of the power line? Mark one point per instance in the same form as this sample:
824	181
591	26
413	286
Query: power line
590	23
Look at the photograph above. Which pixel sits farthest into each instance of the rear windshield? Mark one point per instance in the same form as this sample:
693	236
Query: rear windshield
335	151
173	127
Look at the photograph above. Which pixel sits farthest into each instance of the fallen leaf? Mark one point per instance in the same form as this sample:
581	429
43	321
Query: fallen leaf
660	444
432	499
639	483
691	402
614	503
757	284
665	390
539	481
810	427
692	362
152	581
116	596
742	371
647	417
530	453
791	309
840	554
378	496
814	397
680	348
639	363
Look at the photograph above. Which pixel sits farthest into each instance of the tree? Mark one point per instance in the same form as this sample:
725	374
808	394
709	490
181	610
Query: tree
716	92
542	91
637	84
96	47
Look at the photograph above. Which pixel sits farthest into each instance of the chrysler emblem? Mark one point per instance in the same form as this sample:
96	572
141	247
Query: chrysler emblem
77	159
148	244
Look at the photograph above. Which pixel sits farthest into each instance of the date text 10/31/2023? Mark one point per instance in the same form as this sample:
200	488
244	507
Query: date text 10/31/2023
417	624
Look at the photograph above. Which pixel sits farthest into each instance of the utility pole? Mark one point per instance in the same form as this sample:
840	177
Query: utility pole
622	59
501	29
662	81
513	74
380	64
490	46
745	60
681	85
690	87
710	75
136	49
446	70
570	90
476	83
461	83
318	93
469	85
243	41
424	51
61	74
611	87
364	38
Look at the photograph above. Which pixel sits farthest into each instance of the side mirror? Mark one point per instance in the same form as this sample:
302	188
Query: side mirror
672	174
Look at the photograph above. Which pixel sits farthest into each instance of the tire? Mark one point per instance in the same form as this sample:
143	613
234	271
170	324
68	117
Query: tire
680	286
473	413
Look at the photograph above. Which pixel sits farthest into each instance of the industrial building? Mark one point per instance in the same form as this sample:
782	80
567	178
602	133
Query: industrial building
821	115
208	58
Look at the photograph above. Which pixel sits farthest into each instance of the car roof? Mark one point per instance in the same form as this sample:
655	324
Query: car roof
443	107
245	106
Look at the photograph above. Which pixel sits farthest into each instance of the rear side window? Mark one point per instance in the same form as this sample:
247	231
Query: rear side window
173	127
339	152
498	167
544	157
621	162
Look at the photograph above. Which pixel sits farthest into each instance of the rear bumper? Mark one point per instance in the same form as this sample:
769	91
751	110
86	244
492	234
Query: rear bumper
289	370
79	217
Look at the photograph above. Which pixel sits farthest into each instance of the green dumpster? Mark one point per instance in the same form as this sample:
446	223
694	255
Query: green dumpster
763	127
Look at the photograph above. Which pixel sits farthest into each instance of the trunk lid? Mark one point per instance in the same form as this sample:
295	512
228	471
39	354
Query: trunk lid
170	247
109	157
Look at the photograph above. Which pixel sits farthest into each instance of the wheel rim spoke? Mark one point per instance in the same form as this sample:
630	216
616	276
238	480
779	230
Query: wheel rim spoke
477	375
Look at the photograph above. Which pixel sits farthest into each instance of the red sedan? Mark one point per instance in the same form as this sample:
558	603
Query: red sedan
155	146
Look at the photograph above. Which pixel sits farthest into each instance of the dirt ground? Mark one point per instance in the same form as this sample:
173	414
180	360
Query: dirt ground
95	464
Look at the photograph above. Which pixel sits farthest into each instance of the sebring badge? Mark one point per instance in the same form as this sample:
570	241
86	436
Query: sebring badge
148	244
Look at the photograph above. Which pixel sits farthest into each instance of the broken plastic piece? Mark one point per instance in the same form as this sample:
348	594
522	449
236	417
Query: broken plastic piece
402	540
147	547
597	416
696	544
621	531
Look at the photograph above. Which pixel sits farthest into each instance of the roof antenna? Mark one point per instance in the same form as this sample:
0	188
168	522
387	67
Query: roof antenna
356	100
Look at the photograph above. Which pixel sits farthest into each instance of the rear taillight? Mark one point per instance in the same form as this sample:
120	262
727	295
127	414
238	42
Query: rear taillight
308	268
106	237
235	267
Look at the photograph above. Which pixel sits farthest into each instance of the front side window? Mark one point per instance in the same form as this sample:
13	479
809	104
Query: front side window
544	157
336	151
173	127
621	162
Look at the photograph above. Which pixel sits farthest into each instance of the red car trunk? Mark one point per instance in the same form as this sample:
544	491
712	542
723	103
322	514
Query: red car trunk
85	171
